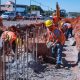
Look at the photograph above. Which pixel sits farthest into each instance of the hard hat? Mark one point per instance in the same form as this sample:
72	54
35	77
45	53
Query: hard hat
48	23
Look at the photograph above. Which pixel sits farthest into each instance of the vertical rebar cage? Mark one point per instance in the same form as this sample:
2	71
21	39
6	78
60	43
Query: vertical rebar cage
14	66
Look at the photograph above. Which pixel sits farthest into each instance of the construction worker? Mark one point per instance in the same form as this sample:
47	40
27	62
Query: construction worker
57	43
56	19
68	29
10	36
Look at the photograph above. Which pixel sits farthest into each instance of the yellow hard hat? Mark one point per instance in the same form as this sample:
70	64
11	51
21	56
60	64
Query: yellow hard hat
48	23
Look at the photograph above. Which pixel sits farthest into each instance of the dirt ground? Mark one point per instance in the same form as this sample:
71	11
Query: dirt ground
70	61
47	71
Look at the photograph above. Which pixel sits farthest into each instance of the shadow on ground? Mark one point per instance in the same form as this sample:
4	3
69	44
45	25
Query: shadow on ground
68	64
37	67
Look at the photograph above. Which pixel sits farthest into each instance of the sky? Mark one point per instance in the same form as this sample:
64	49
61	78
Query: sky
68	5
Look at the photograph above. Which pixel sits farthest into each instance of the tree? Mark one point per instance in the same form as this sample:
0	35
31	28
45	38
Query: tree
35	8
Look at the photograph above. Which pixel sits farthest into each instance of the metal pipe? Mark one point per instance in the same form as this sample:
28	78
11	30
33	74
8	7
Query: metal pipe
37	34
23	65
36	48
24	54
3	76
34	43
8	68
21	50
9	47
27	51
16	62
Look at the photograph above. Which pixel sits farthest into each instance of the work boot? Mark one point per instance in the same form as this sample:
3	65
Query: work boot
58	66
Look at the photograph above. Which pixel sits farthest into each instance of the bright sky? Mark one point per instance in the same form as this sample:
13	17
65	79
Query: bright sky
68	5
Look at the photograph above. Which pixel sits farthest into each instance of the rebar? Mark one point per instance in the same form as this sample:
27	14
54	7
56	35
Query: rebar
37	34
27	52
22	53
33	44
16	77
3	75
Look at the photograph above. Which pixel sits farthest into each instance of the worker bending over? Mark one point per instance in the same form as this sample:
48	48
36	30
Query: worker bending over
68	32
10	37
58	40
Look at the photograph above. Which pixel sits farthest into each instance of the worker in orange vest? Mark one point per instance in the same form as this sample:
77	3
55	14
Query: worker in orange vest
58	41
56	19
9	36
68	29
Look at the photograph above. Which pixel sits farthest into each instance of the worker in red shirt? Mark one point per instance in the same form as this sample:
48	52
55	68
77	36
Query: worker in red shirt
57	43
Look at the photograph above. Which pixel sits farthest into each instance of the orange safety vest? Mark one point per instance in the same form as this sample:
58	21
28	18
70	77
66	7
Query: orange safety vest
50	36
55	19
58	35
9	35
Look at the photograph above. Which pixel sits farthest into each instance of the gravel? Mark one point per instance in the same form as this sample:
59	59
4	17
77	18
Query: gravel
21	70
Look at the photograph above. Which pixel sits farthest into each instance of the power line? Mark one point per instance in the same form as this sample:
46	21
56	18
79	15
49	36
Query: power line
42	4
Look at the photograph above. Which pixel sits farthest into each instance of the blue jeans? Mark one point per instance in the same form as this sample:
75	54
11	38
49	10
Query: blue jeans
57	50
69	31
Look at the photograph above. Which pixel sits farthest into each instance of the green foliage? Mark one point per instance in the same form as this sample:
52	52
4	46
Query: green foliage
76	14
35	8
